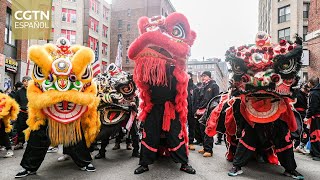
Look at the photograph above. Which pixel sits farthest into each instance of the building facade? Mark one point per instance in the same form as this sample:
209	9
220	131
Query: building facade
125	14
84	22
13	53
313	38
218	69
282	19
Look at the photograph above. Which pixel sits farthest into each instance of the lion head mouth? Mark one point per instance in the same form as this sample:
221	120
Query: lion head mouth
162	51
65	112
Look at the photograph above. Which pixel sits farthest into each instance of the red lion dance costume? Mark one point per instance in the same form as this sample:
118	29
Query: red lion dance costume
259	112
160	54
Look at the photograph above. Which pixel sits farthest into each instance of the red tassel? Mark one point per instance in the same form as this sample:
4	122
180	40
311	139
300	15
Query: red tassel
151	70
169	114
181	100
214	116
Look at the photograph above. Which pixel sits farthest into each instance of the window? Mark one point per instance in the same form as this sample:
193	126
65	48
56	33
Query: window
305	32
128	43
93	2
105	12
306	7
64	17
119	24
8	30
105	31
105	49
128	27
73	18
284	34
69	15
94	24
284	14
92	43
127	60
119	37
97	7
70	35
129	12
73	39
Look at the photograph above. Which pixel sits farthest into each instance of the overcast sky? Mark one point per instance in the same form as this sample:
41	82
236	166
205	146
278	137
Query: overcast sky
219	24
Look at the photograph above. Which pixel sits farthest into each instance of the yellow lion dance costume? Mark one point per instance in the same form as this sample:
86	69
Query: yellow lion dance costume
9	110
62	103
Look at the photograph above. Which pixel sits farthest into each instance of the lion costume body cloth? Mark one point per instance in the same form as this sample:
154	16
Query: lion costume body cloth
9	110
118	106
258	113
160	54
62	103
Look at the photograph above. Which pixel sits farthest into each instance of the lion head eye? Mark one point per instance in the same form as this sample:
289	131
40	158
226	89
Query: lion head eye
178	31
37	72
87	74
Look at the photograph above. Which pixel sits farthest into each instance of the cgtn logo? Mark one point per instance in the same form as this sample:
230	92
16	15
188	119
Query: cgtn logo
32	19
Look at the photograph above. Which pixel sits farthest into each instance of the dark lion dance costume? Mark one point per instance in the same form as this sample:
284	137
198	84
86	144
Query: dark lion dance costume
160	54
118	108
259	112
62	104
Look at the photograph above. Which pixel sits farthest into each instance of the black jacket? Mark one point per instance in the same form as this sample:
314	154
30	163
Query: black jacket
191	88
302	102
196	99
209	90
21	98
314	102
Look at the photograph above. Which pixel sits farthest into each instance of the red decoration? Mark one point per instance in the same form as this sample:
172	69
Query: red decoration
275	78
283	42
265	49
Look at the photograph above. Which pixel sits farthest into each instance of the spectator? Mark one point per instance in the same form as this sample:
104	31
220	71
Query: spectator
191	119
210	89
313	117
195	103
21	98
16	87
302	134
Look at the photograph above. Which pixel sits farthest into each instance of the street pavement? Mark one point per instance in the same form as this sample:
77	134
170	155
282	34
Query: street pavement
119	165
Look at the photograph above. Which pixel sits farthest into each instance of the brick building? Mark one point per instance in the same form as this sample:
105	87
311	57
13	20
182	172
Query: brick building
13	53
313	38
125	14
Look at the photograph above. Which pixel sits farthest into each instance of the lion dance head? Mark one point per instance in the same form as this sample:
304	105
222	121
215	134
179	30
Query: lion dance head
62	93
264	75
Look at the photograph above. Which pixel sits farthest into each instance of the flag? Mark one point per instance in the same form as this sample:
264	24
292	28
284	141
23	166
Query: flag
118	60
96	64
